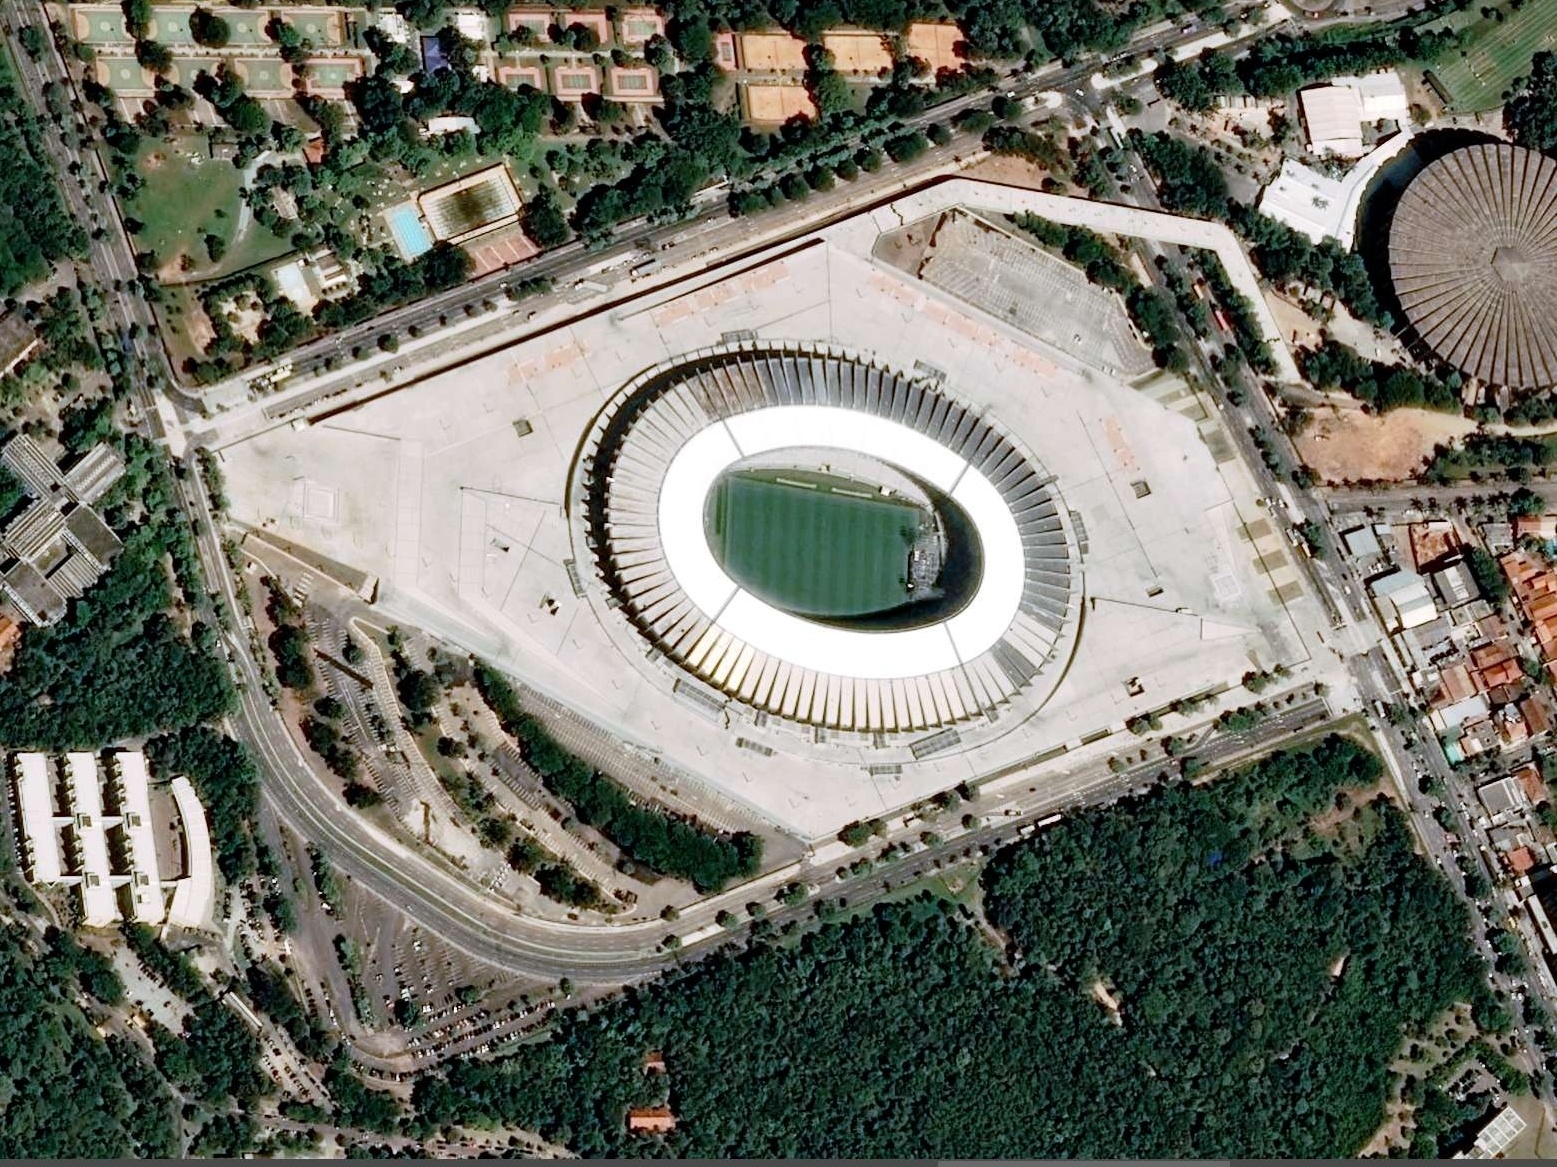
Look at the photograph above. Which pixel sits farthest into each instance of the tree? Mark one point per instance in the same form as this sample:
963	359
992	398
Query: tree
208	29
1487	574
418	690
151	55
1531	114
544	222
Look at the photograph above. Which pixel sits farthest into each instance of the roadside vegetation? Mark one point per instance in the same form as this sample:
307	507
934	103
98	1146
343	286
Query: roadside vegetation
36	231
1265	942
661	841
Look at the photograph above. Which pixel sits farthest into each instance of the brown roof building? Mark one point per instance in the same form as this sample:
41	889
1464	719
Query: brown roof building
1535	587
650	1120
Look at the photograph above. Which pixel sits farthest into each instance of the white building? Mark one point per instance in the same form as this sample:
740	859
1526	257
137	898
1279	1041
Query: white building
1323	207
452	124
194	896
1403	600
1334	114
394	26
1382	96
1332	120
72	837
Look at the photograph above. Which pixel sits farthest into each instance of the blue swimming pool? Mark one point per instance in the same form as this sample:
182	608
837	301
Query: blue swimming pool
411	236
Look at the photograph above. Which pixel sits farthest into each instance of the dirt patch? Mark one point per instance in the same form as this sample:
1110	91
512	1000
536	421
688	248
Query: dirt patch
197	327
154	161
175	268
246	314
1297	327
1006	169
1347	445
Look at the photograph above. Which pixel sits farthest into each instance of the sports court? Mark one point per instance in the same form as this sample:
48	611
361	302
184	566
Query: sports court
100	26
125	76
811	543
329	78
246	28
170	26
186	69
935	44
264	76
772	52
321	29
1496	52
857	53
776	104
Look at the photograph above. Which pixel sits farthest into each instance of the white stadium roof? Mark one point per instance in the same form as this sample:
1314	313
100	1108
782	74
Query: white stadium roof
870	655
658	452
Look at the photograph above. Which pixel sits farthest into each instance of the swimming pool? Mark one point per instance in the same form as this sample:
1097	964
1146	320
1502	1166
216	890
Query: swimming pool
405	224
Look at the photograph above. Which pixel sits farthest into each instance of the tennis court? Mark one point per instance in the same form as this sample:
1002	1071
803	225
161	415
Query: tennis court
799	542
101	26
323	29
1496	53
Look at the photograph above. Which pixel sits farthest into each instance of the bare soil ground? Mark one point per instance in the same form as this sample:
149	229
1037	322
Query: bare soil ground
1009	170
1347	445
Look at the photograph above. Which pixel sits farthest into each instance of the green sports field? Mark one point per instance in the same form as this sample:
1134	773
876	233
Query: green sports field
1496	53
797	542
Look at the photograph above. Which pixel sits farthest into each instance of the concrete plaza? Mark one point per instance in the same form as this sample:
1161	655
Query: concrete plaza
454	491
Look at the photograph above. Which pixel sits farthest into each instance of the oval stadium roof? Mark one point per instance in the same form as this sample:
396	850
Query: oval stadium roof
655	457
1473	256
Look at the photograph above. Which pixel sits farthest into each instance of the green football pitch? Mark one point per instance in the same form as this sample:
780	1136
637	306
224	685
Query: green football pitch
798	542
1495	53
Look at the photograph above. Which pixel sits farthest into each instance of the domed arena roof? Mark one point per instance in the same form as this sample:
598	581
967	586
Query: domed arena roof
1473	256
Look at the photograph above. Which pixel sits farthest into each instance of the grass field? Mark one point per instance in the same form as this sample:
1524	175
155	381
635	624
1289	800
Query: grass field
797	542
1495	53
183	201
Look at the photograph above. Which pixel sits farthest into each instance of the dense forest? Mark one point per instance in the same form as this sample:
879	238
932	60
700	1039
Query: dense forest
1204	971
120	665
65	1092
35	228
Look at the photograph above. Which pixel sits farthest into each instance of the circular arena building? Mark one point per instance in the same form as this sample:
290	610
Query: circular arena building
829	541
1473	259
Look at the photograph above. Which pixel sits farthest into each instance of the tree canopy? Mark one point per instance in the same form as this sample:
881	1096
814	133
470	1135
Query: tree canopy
1264	971
1531	114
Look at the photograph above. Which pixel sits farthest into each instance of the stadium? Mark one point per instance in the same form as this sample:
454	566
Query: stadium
830	541
827	528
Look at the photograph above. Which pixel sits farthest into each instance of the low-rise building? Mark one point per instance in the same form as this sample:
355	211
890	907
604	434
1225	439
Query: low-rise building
76	830
1403	600
1534	585
58	546
651	1120
1335	114
1454	584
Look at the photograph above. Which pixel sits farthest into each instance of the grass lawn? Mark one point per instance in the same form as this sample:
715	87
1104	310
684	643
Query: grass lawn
188	196
797	541
1496	52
